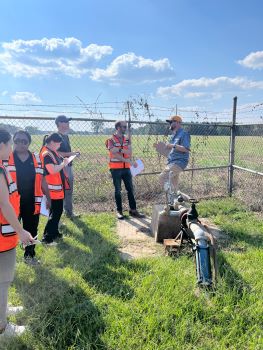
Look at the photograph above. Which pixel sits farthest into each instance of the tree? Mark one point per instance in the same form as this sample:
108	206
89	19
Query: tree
97	126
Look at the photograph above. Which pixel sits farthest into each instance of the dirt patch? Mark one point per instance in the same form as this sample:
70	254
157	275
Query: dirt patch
137	242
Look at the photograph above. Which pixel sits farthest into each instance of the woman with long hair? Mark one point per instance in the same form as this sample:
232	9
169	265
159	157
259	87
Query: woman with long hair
10	233
57	180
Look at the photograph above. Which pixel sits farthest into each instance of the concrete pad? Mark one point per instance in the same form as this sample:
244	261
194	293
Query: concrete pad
137	242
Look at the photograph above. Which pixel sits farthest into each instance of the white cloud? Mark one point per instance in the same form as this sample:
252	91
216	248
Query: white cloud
213	86
30	58
254	60
131	68
24	97
4	93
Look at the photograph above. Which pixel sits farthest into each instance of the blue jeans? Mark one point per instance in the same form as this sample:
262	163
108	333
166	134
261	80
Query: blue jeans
117	176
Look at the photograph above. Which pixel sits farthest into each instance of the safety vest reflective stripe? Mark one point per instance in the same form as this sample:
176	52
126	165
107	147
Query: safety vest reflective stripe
115	160
37	158
7	230
55	187
12	187
38	199
117	144
39	171
11	168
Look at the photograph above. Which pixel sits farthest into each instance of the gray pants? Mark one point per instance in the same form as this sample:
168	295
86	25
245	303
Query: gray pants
68	205
7	271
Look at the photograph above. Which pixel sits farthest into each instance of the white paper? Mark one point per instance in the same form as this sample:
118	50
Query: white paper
138	169
71	158
43	208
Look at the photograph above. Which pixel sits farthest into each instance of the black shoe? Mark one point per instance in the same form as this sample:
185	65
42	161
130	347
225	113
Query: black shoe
136	214
49	243
73	216
119	215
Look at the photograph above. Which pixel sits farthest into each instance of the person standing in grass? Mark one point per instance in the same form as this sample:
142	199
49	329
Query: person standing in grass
120	153
26	170
64	150
57	180
10	232
178	149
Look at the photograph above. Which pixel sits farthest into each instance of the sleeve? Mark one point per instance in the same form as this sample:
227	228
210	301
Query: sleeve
186	140
48	160
109	144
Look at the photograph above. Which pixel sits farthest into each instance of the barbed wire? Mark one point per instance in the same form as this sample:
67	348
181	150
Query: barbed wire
141	107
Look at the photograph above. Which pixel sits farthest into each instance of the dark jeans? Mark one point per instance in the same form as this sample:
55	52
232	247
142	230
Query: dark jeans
30	224
51	230
117	176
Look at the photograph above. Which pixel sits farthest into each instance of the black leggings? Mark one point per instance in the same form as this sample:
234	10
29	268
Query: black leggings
30	224
51	230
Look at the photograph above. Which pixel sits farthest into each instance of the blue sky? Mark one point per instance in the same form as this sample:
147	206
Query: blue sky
196	54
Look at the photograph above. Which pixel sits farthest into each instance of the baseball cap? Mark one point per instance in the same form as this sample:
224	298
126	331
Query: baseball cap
174	118
62	119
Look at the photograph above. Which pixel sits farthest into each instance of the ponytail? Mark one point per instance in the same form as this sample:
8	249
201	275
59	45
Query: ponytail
55	137
45	140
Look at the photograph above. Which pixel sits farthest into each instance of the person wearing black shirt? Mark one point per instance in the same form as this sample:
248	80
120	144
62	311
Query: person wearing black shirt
58	185
64	150
25	178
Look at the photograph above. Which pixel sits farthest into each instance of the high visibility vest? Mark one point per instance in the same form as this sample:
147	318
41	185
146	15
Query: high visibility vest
54	181
114	162
8	236
38	165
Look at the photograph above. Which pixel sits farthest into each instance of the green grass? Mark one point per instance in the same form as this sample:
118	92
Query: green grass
206	151
84	297
93	183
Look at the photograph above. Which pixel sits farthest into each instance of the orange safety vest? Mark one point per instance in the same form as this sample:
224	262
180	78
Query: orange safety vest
115	163
8	237
38	165
54	181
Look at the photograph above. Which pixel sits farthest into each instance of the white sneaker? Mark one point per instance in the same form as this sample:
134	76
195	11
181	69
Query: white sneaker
52	244
13	310
31	261
12	330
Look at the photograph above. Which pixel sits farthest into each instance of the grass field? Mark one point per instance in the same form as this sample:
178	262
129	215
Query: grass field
83	296
93	184
206	150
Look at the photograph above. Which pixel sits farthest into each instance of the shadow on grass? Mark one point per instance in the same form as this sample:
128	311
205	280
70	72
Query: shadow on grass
234	282
105	270
60	315
59	309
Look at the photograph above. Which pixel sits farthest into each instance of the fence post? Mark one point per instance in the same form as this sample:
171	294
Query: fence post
232	149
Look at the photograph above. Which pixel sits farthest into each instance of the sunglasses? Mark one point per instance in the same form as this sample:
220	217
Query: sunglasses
21	141
123	126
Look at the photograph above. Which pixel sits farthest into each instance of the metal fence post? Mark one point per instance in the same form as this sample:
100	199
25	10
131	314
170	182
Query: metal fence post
232	149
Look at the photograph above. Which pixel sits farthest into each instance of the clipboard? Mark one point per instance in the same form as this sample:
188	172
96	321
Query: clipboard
43	208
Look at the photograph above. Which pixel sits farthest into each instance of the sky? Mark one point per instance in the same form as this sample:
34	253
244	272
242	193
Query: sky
196	54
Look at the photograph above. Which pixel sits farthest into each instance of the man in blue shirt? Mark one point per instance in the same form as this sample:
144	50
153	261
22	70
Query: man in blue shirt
178	157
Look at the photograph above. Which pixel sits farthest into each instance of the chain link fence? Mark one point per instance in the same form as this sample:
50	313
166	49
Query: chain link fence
207	175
